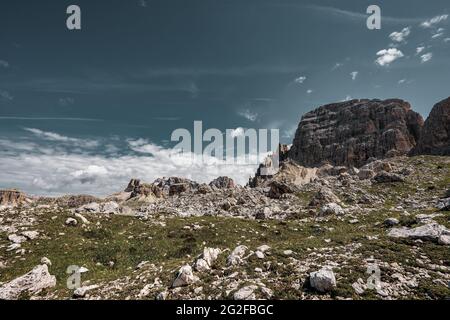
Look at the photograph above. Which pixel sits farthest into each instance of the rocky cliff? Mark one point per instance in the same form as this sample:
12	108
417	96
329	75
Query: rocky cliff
435	136
352	132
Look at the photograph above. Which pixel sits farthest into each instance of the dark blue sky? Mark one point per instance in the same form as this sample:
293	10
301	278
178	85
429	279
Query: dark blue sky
141	69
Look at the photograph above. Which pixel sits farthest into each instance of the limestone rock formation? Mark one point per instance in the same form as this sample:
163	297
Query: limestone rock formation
435	136
12	197
222	183
31	283
352	132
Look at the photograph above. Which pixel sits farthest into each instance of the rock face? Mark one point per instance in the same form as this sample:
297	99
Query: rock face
350	133
222	183
11	197
33	282
435	136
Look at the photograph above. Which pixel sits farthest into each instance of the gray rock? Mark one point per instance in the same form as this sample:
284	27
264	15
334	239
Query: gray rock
331	209
387	177
246	293
33	282
184	277
71	222
236	256
431	232
322	280
390	222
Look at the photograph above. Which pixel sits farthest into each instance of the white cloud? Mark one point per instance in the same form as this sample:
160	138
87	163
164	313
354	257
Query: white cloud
4	64
400	36
56	137
401	81
248	114
426	57
447	40
354	74
309	91
300	80
336	66
419	49
54	172
433	21
387	56
437	35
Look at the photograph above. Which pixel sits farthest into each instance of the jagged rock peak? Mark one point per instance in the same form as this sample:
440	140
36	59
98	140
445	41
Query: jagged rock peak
352	132
435	136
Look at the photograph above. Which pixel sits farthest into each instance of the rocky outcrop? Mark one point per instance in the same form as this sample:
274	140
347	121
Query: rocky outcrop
352	132
435	136
222	183
31	283
12	197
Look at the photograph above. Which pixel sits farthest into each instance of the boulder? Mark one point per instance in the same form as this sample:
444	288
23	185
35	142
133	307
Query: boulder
387	177
324	196
331	209
246	293
278	188
352	132
222	183
184	277
31	283
206	259
236	256
390	222
322	280
431	231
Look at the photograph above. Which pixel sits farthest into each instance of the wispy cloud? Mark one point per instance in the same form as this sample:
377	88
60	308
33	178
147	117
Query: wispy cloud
47	118
248	114
434	21
300	79
426	57
357	16
354	74
56	137
400	36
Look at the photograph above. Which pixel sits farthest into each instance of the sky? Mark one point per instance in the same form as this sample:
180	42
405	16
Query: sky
83	111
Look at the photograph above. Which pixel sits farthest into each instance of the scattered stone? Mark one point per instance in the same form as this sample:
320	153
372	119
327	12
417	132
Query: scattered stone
390	222
32	283
236	256
184	277
46	261
387	177
246	293
71	222
82	291
206	259
331	209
